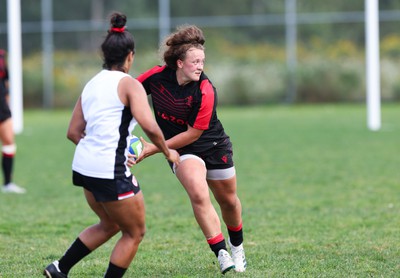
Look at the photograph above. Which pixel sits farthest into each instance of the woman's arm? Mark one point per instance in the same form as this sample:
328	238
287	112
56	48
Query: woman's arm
131	92
77	124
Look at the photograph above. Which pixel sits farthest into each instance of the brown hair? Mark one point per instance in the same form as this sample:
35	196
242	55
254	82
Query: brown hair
176	45
118	43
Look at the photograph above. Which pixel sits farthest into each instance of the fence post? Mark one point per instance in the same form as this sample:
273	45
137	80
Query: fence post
15	62
291	46
373	65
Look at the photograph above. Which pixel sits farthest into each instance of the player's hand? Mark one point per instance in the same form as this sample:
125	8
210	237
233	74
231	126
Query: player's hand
173	157
147	150
131	160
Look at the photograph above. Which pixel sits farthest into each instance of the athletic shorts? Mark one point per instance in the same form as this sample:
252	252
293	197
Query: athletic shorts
106	190
218	162
5	111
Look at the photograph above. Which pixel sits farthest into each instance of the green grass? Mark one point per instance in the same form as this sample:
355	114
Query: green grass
320	195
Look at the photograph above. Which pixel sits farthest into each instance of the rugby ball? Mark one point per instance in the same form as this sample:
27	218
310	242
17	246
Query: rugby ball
135	146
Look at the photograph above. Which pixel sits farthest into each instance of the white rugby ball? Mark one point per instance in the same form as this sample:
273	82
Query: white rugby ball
135	146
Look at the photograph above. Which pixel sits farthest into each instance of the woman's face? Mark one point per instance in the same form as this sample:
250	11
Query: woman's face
191	67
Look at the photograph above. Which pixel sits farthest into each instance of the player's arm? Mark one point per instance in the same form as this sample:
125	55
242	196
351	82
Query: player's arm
185	138
131	92
77	124
178	141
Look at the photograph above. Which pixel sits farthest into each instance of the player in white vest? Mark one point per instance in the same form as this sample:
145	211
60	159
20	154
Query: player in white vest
110	106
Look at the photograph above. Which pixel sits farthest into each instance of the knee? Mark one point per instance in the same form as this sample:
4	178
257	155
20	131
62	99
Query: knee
136	234
110	229
141	231
230	202
199	195
199	199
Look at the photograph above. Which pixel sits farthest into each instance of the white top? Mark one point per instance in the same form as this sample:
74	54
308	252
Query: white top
102	153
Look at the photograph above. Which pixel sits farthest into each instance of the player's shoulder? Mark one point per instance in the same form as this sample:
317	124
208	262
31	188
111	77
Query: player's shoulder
151	72
205	83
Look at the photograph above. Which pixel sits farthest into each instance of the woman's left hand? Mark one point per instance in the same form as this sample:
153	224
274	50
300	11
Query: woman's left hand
131	160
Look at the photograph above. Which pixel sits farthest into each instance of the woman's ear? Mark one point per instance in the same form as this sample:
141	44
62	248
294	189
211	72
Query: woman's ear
179	64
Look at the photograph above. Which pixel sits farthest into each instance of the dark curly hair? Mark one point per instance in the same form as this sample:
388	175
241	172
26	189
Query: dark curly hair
118	43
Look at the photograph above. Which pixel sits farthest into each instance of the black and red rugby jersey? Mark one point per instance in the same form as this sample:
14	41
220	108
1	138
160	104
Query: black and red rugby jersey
3	76
3	67
177	106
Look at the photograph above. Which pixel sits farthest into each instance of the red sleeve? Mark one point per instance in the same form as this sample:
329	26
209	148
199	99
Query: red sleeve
142	77
207	106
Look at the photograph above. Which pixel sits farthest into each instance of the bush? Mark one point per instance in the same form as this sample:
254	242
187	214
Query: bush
242	74
319	80
243	84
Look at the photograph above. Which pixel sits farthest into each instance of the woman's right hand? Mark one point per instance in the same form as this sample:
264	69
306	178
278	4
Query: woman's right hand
173	157
148	149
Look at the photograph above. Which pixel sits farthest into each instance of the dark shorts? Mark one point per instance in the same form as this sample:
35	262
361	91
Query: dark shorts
106	190
5	111
220	157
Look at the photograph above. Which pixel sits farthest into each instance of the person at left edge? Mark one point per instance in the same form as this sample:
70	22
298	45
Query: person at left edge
7	136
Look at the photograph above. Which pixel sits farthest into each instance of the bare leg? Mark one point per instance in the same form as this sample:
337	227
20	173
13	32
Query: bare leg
225	193
192	175
97	234
6	132
127	216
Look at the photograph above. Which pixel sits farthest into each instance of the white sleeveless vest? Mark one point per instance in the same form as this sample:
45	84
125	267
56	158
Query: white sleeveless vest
102	153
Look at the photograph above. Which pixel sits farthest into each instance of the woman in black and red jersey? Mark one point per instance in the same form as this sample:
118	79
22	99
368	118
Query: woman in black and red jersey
184	102
7	136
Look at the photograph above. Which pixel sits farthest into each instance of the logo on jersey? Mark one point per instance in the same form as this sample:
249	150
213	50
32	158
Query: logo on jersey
224	159
189	101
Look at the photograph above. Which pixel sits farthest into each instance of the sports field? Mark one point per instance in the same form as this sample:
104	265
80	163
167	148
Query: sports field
320	195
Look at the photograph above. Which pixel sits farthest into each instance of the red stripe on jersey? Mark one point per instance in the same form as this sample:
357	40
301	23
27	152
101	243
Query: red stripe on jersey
207	106
142	77
216	239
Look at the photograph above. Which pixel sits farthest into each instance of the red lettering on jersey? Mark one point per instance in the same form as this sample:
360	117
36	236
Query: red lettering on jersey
173	119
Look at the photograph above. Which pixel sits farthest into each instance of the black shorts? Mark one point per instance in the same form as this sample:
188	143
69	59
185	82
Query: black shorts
220	158
106	190
5	111
217	158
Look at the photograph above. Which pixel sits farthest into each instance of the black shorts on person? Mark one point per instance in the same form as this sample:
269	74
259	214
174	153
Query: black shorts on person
106	190
217	158
5	112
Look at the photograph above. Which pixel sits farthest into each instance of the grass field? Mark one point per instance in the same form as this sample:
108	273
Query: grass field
320	195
